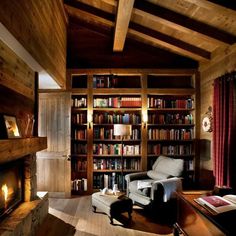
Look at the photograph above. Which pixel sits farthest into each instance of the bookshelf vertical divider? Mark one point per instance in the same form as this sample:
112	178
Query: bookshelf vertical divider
144	121
90	133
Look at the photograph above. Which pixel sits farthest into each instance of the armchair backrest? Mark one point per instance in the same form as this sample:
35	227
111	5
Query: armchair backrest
165	166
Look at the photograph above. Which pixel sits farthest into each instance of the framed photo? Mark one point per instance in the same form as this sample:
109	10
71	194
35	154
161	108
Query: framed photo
12	129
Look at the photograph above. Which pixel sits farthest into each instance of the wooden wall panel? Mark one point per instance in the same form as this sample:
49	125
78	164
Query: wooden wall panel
40	26
15	74
222	64
17	89
54	122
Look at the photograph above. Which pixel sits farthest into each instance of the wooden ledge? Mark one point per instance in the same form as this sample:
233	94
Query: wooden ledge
13	149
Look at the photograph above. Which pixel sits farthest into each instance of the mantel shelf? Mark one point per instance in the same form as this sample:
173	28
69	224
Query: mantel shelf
12	149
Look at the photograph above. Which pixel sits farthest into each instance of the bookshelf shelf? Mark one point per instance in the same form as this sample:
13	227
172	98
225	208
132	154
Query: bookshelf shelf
170	109
172	140
117	140
177	156
113	109
170	125
116	171
114	155
126	96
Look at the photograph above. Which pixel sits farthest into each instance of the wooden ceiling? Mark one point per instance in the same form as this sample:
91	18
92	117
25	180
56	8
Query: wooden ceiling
194	29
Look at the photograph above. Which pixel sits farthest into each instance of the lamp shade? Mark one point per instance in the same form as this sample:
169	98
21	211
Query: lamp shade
122	130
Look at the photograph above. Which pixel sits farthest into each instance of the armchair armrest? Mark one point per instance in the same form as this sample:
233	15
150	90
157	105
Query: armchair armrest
169	186
136	176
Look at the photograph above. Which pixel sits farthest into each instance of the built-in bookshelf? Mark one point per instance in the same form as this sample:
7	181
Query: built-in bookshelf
79	145
110	109
171	123
160	107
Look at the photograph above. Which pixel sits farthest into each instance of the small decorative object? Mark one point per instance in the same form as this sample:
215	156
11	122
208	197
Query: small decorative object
11	127
115	189
29	126
207	120
104	191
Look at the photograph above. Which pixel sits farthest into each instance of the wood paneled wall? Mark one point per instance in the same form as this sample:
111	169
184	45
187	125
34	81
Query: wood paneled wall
222	63
17	88
15	74
40	26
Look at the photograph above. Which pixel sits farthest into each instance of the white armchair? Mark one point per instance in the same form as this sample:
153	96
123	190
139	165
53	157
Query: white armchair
156	185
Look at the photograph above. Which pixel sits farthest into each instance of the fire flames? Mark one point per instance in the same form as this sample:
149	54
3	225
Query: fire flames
5	192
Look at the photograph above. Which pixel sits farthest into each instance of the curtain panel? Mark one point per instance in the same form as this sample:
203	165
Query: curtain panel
224	130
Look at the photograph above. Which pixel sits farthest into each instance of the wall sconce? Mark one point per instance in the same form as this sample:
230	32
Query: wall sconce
90	120
144	119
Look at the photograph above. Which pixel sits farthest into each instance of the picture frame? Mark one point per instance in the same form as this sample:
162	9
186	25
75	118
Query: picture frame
11	126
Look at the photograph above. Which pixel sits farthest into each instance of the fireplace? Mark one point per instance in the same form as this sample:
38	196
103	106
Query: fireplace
11	186
22	208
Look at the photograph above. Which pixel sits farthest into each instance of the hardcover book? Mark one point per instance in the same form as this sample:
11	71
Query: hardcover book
217	204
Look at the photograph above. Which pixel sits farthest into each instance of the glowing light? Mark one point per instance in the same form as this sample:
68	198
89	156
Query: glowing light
5	191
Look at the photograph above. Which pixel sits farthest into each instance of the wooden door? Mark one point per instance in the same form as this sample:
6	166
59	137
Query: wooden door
53	164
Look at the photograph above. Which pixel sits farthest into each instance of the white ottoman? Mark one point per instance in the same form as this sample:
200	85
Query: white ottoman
112	205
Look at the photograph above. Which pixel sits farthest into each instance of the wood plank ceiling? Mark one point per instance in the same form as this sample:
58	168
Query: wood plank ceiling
195	29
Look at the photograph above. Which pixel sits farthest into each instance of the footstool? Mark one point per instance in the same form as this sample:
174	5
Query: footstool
112	205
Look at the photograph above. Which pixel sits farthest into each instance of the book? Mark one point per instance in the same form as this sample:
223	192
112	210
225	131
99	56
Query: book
216	204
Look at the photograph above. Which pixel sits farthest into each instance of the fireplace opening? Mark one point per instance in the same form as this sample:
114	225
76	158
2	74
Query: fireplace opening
11	186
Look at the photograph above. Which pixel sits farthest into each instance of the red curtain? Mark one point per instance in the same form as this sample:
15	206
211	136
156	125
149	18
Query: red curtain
224	130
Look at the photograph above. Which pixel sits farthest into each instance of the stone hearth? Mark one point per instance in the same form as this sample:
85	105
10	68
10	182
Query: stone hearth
26	218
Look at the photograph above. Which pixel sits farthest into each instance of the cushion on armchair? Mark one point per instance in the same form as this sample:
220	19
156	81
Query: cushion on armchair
157	175
165	167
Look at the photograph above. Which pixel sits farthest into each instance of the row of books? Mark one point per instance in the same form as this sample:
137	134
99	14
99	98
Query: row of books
159	149
80	118
116	118
107	133
154	102
79	148
117	102
79	184
170	134
115	149
105	81
79	102
115	164
79	165
108	180
170	119
79	134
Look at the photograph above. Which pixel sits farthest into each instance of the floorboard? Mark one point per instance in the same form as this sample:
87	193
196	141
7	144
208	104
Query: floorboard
74	216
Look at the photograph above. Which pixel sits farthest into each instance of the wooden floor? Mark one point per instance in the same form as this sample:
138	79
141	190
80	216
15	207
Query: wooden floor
74	216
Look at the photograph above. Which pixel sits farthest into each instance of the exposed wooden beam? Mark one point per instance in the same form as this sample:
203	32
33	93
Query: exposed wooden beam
90	9
99	28
170	40
85	16
90	15
123	16
185	21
